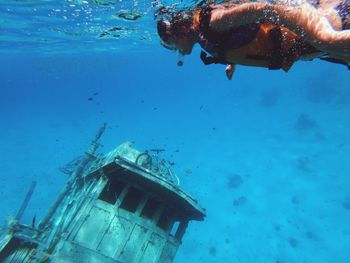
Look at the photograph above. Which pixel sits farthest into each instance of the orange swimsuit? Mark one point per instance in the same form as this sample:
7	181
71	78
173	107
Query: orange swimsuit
258	44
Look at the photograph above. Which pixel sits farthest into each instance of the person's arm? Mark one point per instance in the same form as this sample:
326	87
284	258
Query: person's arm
303	20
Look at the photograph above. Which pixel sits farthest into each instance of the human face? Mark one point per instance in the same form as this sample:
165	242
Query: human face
175	37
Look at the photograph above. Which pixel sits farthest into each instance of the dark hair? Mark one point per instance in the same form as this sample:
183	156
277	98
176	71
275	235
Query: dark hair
181	22
174	25
162	28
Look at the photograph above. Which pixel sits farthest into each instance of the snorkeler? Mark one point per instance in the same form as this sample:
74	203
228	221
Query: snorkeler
324	27
248	34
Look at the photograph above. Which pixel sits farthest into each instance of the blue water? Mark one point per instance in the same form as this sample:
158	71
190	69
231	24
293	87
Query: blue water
267	154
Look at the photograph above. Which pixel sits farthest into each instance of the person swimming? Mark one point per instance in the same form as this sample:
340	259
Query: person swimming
244	34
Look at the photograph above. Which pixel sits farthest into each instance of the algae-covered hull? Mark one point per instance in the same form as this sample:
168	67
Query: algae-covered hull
116	207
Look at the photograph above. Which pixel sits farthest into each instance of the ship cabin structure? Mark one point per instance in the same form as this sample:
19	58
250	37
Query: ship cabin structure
123	206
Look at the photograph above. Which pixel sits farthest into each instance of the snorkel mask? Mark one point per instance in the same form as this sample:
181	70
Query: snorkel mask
173	26
164	17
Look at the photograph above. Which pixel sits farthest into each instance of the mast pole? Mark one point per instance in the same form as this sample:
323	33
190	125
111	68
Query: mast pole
89	155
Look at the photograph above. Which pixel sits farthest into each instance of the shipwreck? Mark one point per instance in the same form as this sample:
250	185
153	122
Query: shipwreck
122	206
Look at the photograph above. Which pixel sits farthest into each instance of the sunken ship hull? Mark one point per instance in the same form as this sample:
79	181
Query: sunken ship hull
114	208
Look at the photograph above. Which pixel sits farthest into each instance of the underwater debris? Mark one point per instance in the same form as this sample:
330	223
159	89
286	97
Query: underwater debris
321	92
319	136
128	15
295	200
346	203
304	123
310	235
90	99
277	227
303	164
269	98
234	181
188	171
240	201
293	242
212	251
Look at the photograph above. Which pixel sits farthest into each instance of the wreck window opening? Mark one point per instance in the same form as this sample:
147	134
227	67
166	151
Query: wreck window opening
150	208
175	228
166	220
132	199
112	190
181	229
